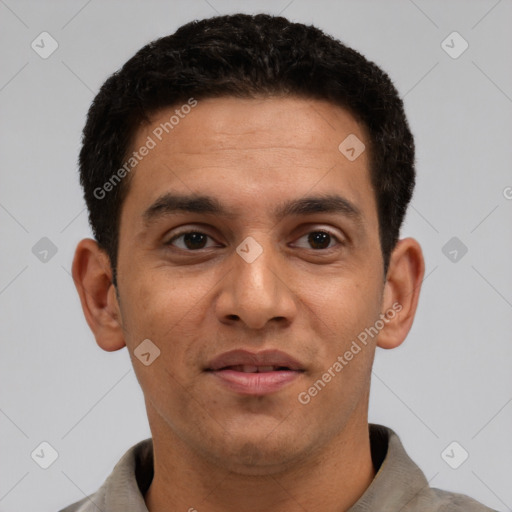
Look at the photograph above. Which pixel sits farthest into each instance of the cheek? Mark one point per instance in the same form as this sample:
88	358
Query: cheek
151	311
167	393
357	312
342	375
153	303
341	316
344	306
168	380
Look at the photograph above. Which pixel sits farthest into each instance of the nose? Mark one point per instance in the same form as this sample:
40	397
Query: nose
257	292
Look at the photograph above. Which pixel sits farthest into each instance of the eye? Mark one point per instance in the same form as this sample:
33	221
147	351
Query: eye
190	240
197	240
320	239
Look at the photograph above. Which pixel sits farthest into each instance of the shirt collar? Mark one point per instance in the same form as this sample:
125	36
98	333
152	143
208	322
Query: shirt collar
397	483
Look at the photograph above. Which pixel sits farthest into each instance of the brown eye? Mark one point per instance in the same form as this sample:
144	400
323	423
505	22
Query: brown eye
191	240
318	240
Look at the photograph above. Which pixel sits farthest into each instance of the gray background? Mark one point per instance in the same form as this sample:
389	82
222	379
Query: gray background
450	381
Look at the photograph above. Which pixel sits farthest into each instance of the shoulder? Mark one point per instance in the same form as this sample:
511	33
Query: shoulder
82	505
399	483
125	486
446	501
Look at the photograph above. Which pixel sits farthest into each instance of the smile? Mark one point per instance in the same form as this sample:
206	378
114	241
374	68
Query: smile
254	373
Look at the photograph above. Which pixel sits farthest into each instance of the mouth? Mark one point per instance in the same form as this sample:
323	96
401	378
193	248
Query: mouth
245	368
256	374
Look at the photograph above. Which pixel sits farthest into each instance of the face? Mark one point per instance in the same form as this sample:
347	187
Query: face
250	292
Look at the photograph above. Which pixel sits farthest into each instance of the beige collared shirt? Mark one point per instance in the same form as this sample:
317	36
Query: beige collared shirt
398	486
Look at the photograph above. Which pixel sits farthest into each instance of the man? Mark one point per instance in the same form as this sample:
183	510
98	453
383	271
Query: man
246	180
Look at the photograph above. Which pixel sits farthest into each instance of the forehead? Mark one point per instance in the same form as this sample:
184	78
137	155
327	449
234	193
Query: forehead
255	147
236	123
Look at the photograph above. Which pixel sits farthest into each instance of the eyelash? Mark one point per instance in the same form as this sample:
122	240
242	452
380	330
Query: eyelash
179	235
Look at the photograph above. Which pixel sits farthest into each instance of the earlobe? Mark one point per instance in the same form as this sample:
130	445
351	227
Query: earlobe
401	292
92	275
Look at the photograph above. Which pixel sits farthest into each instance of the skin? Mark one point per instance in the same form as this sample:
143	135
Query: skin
232	452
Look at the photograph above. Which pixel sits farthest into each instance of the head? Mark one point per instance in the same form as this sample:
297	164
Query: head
243	56
234	130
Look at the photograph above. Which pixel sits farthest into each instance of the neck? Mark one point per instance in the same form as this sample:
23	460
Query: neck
331	480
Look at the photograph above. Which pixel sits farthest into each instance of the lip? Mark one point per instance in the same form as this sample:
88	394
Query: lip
246	357
260	383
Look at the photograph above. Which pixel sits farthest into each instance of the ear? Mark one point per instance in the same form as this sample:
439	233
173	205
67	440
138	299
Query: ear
92	274
401	292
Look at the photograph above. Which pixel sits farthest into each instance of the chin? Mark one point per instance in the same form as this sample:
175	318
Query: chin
252	460
260	454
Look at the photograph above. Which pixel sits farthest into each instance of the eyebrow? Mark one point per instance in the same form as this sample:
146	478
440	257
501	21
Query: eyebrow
169	204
